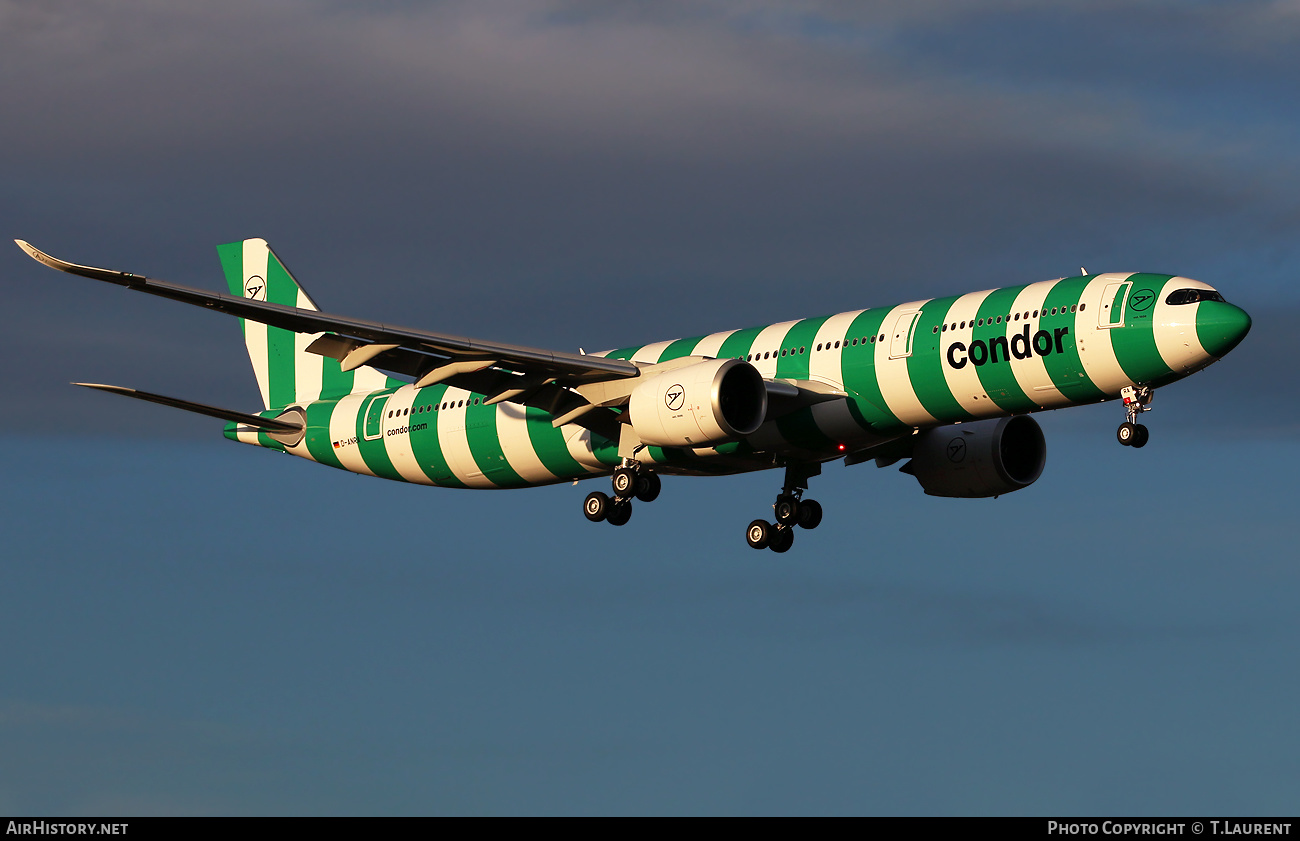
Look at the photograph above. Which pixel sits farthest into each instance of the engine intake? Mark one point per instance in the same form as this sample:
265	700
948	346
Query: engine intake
980	458
699	405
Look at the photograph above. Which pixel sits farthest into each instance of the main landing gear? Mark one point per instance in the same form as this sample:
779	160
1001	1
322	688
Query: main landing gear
790	510
1136	401
631	479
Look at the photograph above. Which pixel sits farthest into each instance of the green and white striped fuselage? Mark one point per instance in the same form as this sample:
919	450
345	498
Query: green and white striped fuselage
921	364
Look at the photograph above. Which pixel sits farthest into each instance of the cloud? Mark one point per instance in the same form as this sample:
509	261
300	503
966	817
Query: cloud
617	173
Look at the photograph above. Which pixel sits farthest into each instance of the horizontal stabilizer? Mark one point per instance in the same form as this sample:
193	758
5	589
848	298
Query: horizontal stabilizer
269	424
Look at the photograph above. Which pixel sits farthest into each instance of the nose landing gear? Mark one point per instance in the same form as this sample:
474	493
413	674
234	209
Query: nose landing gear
1137	399
630	480
790	510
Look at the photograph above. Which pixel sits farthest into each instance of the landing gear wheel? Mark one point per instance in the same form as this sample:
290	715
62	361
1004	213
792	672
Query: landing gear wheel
624	482
1137	399
759	534
648	487
810	513
787	510
596	506
620	511
782	540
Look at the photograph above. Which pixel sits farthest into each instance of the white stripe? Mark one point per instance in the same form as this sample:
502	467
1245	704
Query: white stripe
512	433
891	374
578	440
368	379
1094	343
1175	327
455	441
826	365
651	353
398	446
769	341
1031	373
346	423
964	382
254	263
710	345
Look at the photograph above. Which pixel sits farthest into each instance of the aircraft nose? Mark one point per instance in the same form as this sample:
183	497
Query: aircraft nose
1221	326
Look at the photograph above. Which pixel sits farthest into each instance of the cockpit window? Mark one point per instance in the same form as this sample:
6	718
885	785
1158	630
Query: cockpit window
1191	296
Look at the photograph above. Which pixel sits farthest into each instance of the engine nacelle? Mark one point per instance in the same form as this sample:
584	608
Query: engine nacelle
698	405
979	458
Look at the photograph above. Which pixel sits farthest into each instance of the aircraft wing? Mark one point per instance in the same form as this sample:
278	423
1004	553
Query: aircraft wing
430	357
565	385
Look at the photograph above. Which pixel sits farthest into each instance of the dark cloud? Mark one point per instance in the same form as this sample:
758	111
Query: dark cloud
595	175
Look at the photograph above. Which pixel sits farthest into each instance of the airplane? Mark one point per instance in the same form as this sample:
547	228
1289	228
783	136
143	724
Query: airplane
948	383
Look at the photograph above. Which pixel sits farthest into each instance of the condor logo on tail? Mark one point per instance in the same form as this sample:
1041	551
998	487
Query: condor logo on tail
1021	346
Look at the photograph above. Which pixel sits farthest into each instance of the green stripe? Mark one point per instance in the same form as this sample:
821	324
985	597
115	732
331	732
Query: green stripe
605	451
680	348
1066	368
319	442
232	264
425	444
280	351
925	365
794	365
548	442
1135	342
335	382
623	353
740	343
997	378
870	416
485	444
858	365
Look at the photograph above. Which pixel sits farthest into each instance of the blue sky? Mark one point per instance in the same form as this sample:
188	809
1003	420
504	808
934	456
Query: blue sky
199	627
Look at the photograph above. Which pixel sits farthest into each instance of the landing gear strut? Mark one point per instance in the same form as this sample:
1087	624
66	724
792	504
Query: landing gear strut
790	510
1136	401
631	479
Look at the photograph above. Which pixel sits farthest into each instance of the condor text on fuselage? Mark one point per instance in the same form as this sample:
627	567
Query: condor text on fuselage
1020	346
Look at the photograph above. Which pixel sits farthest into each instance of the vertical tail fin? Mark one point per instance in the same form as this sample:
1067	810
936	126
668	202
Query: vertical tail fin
286	372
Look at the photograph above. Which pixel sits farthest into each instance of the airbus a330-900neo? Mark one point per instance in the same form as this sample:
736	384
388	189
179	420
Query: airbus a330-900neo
948	383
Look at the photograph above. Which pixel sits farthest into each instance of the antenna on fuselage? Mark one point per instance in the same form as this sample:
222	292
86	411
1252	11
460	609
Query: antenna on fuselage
1082	270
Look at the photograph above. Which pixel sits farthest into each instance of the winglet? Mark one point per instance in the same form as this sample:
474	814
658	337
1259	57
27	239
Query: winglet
120	278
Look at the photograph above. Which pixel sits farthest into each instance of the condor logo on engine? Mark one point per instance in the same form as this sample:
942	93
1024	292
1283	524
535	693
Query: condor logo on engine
674	397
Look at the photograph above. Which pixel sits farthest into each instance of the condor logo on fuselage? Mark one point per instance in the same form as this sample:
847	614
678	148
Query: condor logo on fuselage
1021	346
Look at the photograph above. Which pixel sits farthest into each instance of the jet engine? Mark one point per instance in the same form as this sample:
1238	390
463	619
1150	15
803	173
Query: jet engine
699	405
979	458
